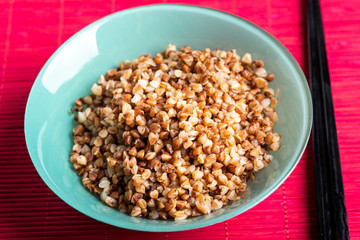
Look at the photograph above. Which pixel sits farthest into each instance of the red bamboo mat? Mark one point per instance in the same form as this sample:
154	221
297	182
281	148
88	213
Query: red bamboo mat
30	31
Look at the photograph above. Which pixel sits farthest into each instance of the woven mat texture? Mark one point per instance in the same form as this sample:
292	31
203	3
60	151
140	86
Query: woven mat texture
30	31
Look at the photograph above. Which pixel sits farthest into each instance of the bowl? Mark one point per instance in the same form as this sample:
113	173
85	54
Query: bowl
77	64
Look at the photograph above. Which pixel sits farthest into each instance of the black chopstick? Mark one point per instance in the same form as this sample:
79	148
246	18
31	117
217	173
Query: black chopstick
332	217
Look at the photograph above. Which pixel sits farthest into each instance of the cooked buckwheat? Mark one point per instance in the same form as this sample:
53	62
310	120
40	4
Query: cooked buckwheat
177	135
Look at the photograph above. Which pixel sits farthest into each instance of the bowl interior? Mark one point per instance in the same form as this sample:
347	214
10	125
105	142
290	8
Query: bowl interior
72	70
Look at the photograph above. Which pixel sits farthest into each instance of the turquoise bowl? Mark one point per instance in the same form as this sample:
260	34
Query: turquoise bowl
77	64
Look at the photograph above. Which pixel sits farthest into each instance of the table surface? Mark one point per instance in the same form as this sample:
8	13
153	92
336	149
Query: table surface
30	31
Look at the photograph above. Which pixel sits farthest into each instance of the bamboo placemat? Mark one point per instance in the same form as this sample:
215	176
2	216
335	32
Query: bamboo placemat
30	31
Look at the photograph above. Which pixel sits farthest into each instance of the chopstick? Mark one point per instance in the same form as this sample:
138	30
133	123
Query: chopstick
331	210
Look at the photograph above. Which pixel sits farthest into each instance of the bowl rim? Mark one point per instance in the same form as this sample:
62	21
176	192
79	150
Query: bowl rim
162	228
